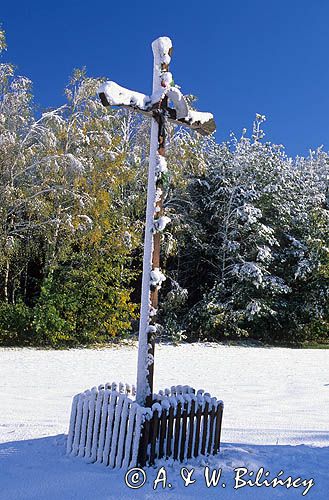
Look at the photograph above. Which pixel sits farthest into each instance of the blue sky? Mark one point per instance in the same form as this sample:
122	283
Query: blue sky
239	57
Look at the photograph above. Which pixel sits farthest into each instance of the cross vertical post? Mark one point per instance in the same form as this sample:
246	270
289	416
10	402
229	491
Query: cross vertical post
151	260
157	108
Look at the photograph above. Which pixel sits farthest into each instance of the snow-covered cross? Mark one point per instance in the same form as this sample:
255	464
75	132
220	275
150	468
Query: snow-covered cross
157	108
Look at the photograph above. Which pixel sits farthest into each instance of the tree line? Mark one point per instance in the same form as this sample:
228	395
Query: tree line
246	255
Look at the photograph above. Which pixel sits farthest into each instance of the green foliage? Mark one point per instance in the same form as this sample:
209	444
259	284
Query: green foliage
16	324
172	310
82	305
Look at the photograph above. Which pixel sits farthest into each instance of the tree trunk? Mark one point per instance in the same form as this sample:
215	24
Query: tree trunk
6	286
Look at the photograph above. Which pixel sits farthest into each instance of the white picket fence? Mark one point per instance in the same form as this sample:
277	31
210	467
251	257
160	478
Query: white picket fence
106	424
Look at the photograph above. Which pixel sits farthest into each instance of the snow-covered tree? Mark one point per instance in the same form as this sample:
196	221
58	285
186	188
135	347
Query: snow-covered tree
247	253
243	209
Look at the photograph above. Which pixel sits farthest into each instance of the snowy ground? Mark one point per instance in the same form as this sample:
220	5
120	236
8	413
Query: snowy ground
275	416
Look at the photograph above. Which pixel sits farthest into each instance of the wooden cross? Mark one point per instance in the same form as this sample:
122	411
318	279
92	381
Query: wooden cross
157	108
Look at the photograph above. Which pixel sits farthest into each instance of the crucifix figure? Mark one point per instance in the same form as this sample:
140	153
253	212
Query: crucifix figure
157	108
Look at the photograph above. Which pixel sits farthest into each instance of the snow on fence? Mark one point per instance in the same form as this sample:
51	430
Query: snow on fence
107	426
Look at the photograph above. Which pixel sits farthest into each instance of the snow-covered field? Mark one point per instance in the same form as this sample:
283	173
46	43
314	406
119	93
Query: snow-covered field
276	416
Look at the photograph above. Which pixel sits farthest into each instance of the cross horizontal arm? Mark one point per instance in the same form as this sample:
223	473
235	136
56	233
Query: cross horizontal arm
112	94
